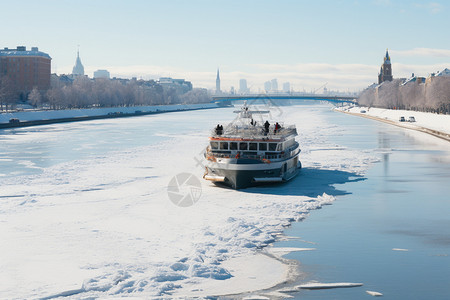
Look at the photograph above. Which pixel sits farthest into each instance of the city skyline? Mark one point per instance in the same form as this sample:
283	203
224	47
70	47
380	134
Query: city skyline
306	44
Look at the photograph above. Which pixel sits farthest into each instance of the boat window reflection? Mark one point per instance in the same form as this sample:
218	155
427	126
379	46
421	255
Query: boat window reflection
272	146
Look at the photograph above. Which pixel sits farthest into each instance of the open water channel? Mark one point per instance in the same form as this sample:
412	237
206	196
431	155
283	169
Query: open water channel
391	232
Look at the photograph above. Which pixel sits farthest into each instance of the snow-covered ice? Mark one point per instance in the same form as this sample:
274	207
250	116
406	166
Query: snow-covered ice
334	285
104	226
256	297
375	294
289	249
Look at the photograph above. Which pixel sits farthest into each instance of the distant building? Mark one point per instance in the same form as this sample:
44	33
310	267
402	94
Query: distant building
439	74
101	74
218	83
267	86
445	73
181	84
243	89
286	87
78	69
413	79
386	69
274	84
26	69
58	80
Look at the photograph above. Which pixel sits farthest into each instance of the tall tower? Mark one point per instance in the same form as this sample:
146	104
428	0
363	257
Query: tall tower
218	82
386	69
78	69
243	86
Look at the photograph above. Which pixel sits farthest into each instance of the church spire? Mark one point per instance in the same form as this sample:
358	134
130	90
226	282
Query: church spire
78	69
386	69
387	58
218	82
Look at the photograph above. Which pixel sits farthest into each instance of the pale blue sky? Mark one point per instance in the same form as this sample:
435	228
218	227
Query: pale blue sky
306	43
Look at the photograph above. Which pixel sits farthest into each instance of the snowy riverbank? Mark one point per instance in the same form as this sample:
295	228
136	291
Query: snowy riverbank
431	123
73	114
104	226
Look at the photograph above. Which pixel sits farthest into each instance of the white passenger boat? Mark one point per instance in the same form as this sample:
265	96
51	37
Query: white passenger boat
248	152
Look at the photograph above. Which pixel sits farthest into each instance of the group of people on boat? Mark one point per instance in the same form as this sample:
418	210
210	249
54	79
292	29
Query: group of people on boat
219	128
267	126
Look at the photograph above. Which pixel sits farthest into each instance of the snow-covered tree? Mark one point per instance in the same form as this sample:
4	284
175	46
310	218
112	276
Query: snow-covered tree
84	92
6	93
54	97
35	97
432	96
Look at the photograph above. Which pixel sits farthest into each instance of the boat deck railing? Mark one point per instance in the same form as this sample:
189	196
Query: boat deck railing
255	132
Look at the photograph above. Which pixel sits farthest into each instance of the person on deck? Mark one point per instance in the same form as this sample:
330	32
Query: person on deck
277	127
266	127
219	129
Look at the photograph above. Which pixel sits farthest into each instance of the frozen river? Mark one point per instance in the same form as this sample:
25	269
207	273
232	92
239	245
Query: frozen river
84	210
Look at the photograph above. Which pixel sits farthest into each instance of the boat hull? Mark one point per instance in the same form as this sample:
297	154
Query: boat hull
240	175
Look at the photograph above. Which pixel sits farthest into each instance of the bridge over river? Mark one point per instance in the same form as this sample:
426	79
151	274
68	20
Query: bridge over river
329	98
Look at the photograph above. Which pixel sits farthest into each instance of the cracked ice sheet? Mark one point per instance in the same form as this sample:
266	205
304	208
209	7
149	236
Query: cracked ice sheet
105	226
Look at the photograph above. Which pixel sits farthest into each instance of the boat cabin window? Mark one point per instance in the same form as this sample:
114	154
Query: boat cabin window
233	146
214	145
223	145
272	146
279	147
242	146
262	147
252	146
289	143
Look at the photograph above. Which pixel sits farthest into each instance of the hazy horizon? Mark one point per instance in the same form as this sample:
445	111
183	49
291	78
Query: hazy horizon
307	44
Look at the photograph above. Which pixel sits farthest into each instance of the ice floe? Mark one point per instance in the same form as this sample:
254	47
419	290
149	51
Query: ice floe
318	285
375	294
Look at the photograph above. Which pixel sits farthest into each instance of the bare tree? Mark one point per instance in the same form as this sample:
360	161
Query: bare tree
438	94
413	95
84	92
6	93
196	96
432	96
35	97
54	96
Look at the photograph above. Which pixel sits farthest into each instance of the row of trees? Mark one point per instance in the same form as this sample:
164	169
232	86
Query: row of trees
84	93
7	95
432	96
